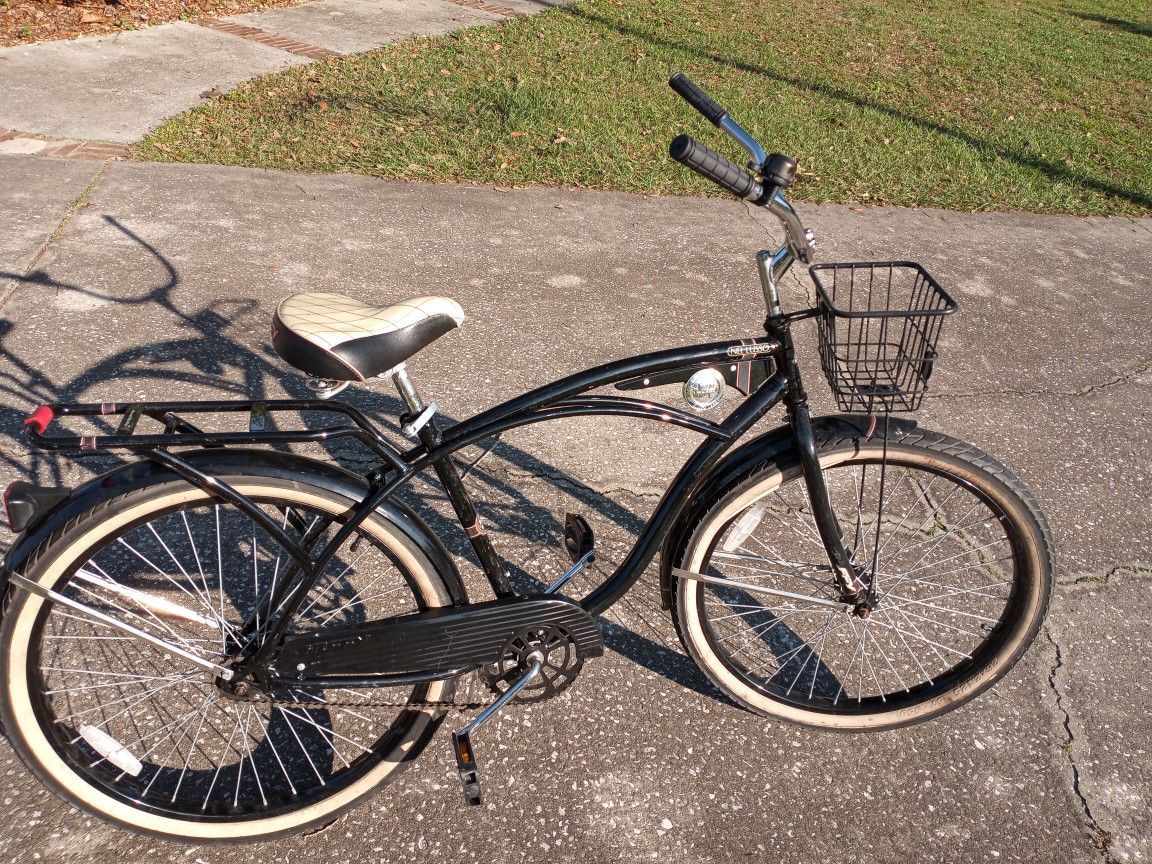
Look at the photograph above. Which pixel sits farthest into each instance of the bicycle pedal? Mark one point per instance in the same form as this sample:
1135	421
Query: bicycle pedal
580	545
466	765
578	539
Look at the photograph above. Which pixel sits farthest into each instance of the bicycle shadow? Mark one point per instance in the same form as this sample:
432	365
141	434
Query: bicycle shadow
209	355
1116	23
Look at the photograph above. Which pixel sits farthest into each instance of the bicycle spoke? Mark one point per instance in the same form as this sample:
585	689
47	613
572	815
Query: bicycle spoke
134	698
881	547
192	749
307	756
331	736
776	620
251	761
956	593
219	769
851	663
152	618
276	752
922	638
916	616
748	561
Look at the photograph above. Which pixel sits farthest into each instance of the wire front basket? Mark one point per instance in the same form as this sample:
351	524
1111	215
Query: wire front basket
879	322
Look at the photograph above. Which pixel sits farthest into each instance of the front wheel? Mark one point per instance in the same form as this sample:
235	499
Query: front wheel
139	736
954	546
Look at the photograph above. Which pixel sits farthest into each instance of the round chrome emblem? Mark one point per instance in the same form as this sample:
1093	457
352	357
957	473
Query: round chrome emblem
704	389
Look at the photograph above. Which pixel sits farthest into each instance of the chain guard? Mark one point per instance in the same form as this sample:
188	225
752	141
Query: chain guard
562	663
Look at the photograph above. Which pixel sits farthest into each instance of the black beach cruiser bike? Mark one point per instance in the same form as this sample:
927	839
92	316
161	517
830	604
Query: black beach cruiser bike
223	642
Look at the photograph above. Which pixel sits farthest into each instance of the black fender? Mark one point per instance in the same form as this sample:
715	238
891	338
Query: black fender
770	445
287	466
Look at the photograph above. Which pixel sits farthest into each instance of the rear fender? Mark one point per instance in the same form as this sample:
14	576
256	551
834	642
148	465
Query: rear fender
266	463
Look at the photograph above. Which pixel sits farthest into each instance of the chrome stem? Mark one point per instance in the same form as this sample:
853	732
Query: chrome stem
796	236
772	266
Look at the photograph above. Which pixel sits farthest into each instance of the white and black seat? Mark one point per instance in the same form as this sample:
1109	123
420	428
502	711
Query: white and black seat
336	337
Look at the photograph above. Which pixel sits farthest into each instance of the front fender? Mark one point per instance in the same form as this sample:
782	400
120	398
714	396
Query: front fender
770	445
268	463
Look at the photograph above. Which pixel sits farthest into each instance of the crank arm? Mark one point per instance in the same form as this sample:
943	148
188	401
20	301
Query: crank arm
462	740
580	544
590	555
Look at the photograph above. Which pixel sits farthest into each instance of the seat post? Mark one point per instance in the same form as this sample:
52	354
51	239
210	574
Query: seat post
404	385
429	435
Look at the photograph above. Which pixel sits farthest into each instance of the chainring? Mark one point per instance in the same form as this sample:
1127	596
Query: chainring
562	663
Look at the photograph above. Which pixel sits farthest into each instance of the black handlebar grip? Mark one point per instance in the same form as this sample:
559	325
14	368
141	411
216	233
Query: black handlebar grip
710	164
697	98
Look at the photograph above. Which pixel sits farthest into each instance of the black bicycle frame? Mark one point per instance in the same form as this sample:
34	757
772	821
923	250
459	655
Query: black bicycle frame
565	398
568	397
562	399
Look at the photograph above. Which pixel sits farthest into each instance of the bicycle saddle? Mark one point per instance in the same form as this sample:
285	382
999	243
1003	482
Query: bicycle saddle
333	336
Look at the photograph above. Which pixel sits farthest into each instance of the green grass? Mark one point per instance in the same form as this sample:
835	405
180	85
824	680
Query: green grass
1041	105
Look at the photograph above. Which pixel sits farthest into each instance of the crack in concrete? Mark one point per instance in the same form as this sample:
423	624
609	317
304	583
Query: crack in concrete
1123	378
81	200
6	293
1103	577
1101	838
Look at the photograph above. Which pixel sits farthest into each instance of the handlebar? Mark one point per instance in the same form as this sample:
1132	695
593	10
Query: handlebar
775	172
717	116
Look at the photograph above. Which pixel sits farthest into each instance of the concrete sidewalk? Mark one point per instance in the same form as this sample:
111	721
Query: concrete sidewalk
57	97
158	281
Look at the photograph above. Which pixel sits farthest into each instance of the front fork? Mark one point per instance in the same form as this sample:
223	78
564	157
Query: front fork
853	589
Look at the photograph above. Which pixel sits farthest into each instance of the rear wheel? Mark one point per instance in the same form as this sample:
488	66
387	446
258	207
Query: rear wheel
145	739
958	553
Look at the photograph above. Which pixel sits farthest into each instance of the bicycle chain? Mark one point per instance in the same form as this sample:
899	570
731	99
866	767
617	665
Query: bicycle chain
450	704
408	703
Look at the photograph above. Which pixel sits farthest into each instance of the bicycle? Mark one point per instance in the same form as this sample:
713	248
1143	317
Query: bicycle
194	645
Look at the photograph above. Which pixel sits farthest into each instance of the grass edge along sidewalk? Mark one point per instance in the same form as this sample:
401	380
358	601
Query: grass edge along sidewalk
1040	105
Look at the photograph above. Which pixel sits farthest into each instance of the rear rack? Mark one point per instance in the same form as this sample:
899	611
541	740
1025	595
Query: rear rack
178	432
